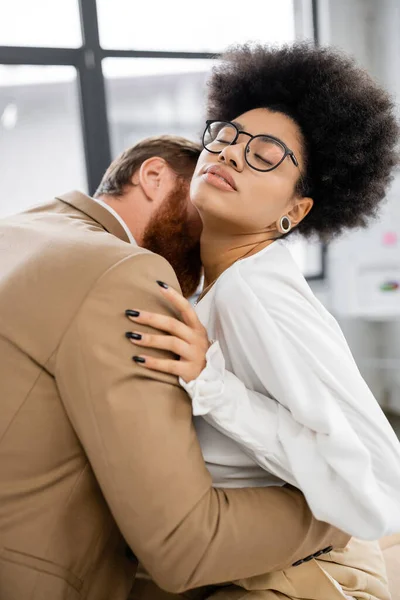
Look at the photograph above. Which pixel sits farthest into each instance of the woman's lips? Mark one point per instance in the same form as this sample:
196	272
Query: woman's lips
218	181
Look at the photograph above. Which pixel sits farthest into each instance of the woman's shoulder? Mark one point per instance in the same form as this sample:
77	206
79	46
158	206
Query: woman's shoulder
271	278
275	261
273	268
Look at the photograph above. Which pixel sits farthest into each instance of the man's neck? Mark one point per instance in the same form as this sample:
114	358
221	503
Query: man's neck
119	205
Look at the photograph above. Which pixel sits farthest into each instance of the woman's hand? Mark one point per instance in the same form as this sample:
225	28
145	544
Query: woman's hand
187	340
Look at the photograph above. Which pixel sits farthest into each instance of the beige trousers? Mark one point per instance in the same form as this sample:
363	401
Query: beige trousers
359	569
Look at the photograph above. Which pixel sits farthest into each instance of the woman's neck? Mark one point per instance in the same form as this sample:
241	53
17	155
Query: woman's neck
218	253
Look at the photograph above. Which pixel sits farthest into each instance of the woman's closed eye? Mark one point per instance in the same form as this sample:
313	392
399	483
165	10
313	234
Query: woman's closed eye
222	141
264	160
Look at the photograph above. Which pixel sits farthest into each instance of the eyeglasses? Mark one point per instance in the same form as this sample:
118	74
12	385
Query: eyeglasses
262	152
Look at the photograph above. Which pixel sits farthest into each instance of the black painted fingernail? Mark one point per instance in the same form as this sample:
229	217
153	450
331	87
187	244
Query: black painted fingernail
132	313
162	284
138	359
133	336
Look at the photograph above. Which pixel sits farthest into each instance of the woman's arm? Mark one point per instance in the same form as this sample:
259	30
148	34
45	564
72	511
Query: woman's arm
249	418
326	434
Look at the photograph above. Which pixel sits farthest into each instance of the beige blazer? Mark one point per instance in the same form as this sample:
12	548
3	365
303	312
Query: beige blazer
358	570
96	453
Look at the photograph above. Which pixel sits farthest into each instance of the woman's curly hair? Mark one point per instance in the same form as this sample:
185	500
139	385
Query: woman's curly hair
347	122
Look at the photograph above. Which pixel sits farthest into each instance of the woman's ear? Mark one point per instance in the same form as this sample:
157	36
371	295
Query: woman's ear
300	210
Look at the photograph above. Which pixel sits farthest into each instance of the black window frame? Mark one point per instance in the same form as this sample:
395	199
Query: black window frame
87	59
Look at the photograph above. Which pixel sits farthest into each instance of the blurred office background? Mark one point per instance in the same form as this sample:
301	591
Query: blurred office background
80	80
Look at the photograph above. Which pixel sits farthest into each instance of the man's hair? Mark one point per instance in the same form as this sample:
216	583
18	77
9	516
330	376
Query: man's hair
347	123
180	154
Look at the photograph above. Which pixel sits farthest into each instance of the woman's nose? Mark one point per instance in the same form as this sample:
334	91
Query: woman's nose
233	156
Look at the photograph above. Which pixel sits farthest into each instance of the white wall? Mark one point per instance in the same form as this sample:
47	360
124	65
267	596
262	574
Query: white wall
370	31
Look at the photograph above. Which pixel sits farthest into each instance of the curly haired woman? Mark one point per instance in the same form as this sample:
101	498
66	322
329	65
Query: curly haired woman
299	139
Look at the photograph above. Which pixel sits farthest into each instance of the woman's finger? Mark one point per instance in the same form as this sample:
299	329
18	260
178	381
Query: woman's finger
162	323
161	342
182	305
173	367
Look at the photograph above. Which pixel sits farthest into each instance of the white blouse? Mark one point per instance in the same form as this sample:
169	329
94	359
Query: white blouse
281	399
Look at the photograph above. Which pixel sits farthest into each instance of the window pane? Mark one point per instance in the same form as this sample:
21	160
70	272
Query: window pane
49	23
148	96
41	151
181	25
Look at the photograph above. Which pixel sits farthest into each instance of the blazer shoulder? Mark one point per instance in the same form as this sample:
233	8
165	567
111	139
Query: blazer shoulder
92	250
141	269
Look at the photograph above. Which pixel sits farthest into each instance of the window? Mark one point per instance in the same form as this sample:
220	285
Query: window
180	25
148	97
66	108
51	23
41	153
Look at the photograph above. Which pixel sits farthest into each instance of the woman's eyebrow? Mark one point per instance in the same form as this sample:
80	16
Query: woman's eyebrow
238	125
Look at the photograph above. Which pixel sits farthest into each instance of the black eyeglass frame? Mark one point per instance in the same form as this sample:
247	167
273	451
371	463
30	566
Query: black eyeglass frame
287	151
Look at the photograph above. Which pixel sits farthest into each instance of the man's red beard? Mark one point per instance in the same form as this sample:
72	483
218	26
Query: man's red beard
171	235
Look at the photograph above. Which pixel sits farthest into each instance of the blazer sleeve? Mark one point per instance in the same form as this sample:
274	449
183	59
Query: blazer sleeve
136	428
316	425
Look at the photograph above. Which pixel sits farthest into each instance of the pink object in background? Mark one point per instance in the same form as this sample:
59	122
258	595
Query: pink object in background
390	238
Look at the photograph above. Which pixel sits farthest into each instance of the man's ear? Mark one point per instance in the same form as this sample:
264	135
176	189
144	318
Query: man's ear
152	177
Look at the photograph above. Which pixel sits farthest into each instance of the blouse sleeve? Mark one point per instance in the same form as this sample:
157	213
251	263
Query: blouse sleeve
313	420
